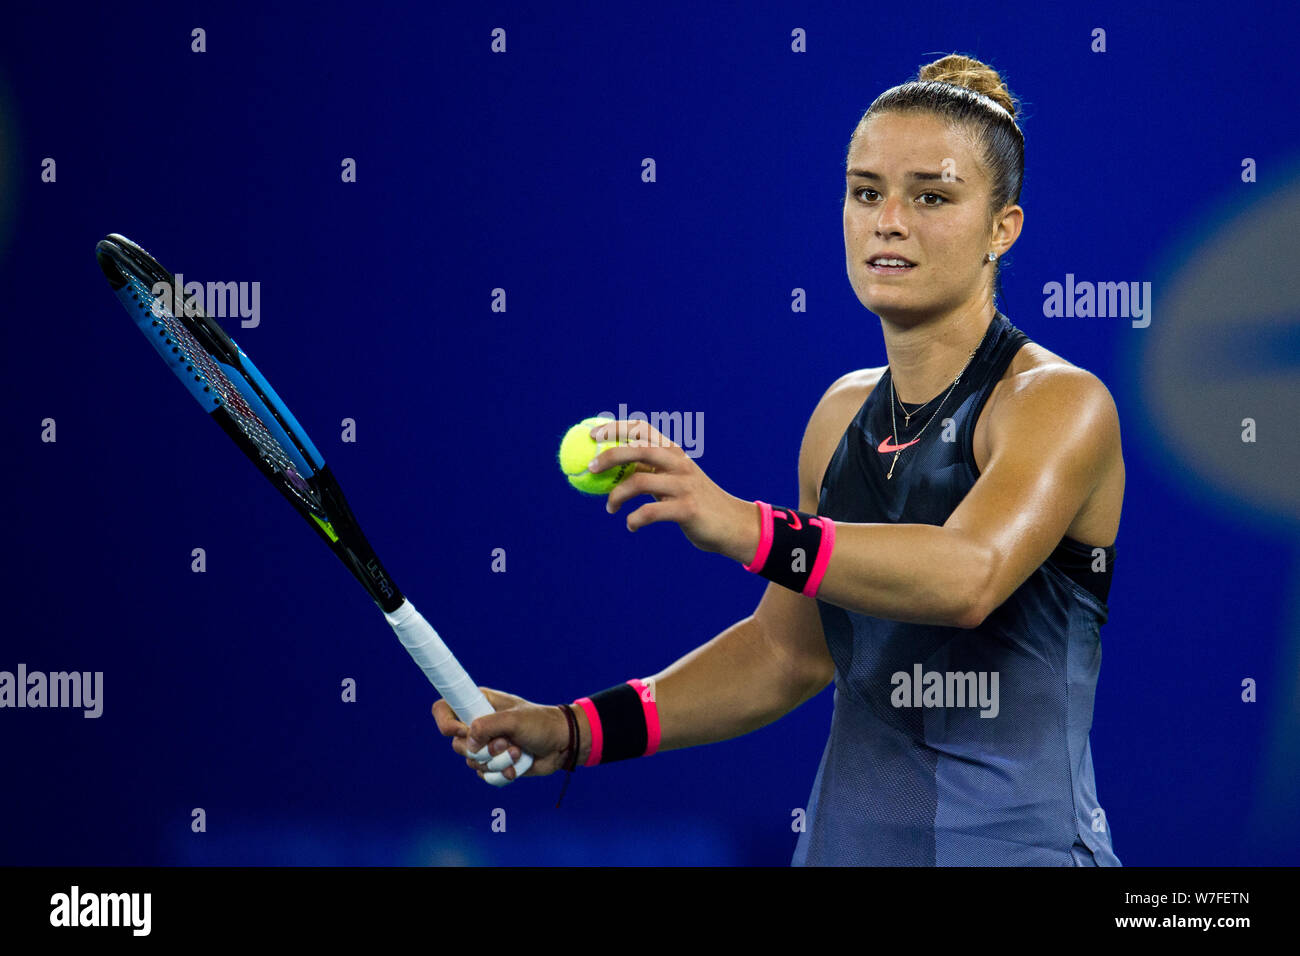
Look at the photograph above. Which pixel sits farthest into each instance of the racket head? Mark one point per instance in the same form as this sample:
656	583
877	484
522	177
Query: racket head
229	387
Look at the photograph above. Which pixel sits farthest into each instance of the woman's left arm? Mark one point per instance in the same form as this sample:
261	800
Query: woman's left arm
1051	439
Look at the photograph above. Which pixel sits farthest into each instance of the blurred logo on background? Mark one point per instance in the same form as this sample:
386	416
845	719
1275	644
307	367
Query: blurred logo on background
1220	381
1228	350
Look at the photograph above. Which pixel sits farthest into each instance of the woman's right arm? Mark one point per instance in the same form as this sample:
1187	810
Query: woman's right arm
751	674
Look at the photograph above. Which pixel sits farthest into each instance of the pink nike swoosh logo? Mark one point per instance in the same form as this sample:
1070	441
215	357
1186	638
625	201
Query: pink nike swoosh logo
885	447
791	518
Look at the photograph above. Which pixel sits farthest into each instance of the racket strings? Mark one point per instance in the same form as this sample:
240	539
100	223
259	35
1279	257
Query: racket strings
206	369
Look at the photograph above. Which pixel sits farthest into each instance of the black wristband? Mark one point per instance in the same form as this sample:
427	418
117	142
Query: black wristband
622	723
794	548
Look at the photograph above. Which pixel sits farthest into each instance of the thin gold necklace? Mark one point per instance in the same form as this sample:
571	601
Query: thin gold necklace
894	421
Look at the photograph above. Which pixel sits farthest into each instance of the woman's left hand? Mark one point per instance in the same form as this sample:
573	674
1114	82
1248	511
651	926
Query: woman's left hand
711	519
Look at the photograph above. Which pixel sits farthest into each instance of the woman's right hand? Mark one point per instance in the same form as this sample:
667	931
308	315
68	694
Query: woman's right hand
517	724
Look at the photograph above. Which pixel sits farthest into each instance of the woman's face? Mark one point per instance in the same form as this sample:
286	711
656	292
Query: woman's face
917	188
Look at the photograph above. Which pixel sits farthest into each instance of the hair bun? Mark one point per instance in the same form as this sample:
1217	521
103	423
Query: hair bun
971	73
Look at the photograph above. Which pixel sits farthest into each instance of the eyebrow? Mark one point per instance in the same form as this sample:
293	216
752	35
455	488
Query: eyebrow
867	174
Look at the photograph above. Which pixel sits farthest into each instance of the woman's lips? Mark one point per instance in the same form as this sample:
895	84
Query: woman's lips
888	270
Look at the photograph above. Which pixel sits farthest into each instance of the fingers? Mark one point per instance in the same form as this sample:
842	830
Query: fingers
506	744
657	457
502	760
498	778
659	473
493	728
502	751
500	700
638	441
489	739
504	756
653	512
449	725
635	431
658	485
502	747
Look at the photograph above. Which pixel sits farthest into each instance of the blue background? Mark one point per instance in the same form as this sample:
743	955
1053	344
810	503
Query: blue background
522	171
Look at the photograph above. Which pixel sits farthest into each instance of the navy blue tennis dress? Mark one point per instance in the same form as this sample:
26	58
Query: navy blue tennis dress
929	761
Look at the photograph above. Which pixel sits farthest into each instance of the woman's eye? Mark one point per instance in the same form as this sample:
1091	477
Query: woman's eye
927	199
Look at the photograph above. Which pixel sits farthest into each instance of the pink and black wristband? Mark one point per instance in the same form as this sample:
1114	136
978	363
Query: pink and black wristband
794	548
624	722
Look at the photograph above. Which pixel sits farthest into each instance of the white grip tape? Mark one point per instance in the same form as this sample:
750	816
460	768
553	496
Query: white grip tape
452	682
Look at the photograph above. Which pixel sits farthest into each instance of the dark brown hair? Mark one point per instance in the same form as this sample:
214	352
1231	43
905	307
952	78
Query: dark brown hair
971	95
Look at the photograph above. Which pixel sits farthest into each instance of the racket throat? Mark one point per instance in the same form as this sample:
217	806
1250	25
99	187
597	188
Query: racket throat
327	528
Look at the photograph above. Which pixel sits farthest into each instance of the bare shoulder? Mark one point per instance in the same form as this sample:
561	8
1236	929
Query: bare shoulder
1040	377
862	379
1049	404
829	419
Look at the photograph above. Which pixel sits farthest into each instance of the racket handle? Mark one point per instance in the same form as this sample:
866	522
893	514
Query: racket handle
452	682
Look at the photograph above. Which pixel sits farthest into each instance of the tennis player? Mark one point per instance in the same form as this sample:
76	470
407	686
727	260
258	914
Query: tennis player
950	556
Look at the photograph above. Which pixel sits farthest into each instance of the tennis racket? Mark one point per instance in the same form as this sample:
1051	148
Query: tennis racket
228	386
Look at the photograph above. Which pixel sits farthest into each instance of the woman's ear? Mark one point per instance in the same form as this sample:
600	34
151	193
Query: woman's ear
1006	230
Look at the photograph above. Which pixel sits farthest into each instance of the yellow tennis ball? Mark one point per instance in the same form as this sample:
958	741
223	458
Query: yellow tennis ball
578	448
